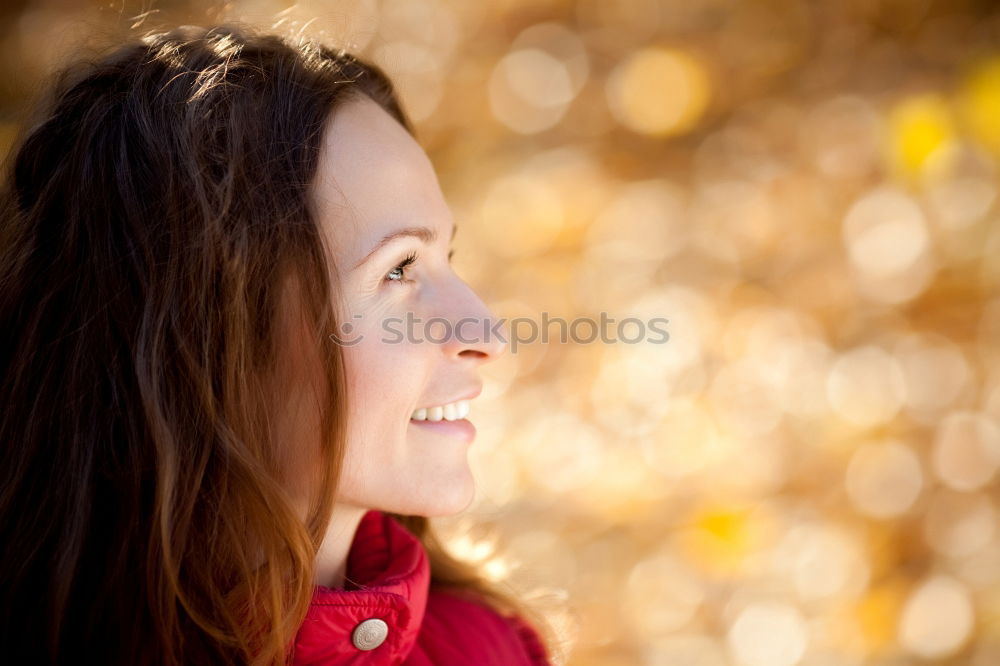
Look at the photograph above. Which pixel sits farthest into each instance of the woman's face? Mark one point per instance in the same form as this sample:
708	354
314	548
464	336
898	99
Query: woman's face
378	202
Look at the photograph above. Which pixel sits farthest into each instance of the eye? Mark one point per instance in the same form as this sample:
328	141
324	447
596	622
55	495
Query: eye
398	274
400	269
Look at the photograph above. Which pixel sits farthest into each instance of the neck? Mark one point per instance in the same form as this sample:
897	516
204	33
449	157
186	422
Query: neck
331	560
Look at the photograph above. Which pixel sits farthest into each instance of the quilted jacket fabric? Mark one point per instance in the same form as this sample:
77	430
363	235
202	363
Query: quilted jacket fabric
388	580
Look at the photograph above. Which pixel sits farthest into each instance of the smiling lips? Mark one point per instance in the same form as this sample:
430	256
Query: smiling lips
453	411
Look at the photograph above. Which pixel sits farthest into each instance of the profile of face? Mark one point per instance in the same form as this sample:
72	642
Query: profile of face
379	204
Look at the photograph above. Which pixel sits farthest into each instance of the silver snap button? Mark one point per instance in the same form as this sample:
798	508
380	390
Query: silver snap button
369	634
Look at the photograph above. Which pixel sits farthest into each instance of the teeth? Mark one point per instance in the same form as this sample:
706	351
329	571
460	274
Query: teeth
450	412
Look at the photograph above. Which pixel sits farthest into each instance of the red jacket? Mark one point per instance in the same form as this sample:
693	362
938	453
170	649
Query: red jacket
395	618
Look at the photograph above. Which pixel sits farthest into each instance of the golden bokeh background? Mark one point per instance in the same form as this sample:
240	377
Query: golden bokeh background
806	472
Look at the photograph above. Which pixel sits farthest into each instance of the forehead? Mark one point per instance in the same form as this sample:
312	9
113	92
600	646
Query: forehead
372	179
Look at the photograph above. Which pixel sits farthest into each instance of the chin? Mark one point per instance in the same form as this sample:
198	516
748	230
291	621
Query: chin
442	504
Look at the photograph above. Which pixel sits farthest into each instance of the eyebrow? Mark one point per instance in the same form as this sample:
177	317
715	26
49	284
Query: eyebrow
425	234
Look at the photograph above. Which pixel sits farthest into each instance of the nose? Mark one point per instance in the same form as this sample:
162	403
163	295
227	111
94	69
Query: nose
489	343
475	331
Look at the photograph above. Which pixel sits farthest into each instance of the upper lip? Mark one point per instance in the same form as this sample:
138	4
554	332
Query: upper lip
469	395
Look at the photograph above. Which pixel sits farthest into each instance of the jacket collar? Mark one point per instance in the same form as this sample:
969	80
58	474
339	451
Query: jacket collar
388	577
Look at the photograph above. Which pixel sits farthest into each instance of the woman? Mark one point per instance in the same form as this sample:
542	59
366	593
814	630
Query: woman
213	451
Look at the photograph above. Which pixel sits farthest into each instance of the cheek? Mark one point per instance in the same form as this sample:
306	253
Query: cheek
385	375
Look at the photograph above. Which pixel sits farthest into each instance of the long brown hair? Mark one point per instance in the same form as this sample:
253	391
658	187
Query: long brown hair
151	213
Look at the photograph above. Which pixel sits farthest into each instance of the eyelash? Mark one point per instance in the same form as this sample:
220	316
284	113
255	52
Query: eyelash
408	261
